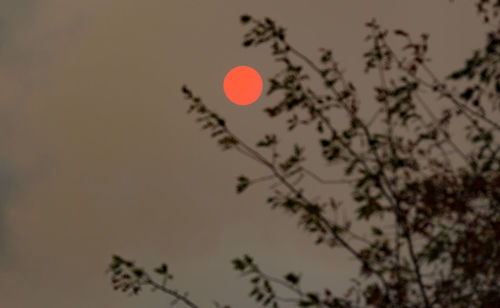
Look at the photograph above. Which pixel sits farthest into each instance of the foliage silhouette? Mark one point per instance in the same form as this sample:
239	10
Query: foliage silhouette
441	194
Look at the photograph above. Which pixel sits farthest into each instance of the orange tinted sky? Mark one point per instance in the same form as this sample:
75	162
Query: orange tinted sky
99	157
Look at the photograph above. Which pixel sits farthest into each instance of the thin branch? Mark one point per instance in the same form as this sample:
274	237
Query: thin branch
262	179
171	292
374	117
323	181
447	136
459	105
288	286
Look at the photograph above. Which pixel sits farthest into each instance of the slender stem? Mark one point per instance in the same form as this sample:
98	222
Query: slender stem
171	292
322	181
290	287
447	136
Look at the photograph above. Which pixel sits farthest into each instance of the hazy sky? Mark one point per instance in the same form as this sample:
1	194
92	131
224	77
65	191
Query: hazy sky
99	157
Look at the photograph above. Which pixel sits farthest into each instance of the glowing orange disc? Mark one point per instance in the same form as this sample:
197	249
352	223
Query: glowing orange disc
243	85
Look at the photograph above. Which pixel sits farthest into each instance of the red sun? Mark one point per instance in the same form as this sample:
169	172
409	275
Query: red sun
243	85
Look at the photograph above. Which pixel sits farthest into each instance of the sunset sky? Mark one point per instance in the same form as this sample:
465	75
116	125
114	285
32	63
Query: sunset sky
98	155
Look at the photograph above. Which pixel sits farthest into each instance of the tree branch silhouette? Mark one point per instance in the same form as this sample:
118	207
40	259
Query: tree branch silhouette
400	167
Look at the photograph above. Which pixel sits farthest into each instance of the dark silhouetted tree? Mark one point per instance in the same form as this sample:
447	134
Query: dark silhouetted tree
440	191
